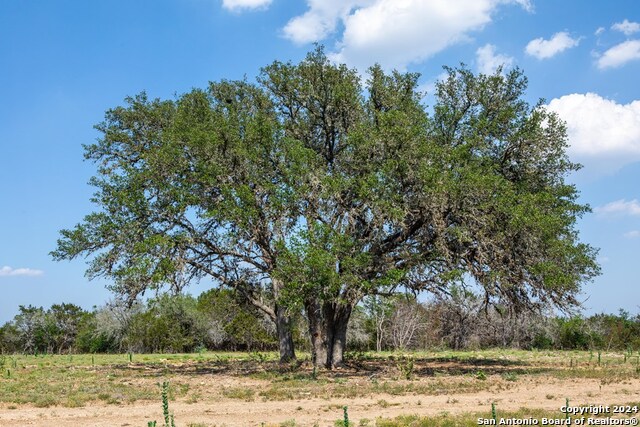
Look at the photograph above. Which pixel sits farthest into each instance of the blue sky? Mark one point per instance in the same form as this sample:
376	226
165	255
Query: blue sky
63	63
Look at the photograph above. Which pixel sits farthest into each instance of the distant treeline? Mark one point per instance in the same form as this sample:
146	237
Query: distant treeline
219	320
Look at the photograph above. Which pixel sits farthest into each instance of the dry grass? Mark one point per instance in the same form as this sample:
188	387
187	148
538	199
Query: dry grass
47	381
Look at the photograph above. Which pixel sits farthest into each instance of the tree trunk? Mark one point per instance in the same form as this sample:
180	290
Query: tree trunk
328	332
285	337
379	336
316	334
340	324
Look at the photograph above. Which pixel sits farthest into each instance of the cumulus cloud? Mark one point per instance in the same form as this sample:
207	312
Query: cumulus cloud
619	207
489	60
602	134
543	49
634	234
626	27
238	5
392	32
320	20
8	271
620	54
599	31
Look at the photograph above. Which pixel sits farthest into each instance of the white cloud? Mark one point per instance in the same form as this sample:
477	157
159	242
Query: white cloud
392	32
634	234
489	60
8	271
620	54
599	31
619	207
603	134
543	49
626	27
238	5
320	20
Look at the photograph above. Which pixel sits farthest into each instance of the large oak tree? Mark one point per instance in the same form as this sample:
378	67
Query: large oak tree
311	189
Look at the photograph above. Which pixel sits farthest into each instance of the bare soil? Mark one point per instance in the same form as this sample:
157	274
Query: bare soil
210	400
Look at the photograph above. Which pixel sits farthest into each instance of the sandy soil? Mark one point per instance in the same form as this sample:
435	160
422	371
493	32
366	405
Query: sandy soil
537	391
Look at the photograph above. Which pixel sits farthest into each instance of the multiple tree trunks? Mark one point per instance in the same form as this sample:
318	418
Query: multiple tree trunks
328	331
271	185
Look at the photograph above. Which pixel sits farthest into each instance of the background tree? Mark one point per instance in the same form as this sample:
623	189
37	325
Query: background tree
10	339
111	326
30	324
233	323
406	323
379	311
63	322
312	190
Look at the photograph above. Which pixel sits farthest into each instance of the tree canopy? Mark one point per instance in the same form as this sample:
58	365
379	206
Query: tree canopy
311	188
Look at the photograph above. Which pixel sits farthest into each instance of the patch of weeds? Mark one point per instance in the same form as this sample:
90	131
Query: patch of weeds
344	422
259	357
112	400
104	396
356	357
509	376
382	403
194	398
480	375
183	389
75	402
45	402
277	393
242	393
405	366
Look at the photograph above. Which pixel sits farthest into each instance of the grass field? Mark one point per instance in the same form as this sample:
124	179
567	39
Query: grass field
250	389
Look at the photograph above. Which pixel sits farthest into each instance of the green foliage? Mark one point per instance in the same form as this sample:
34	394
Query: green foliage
542	341
216	320
168	417
233	323
480	375
573	333
35	330
91	340
171	324
405	366
313	188
10	341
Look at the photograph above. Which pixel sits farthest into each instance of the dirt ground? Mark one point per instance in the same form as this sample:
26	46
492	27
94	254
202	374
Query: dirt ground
528	391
